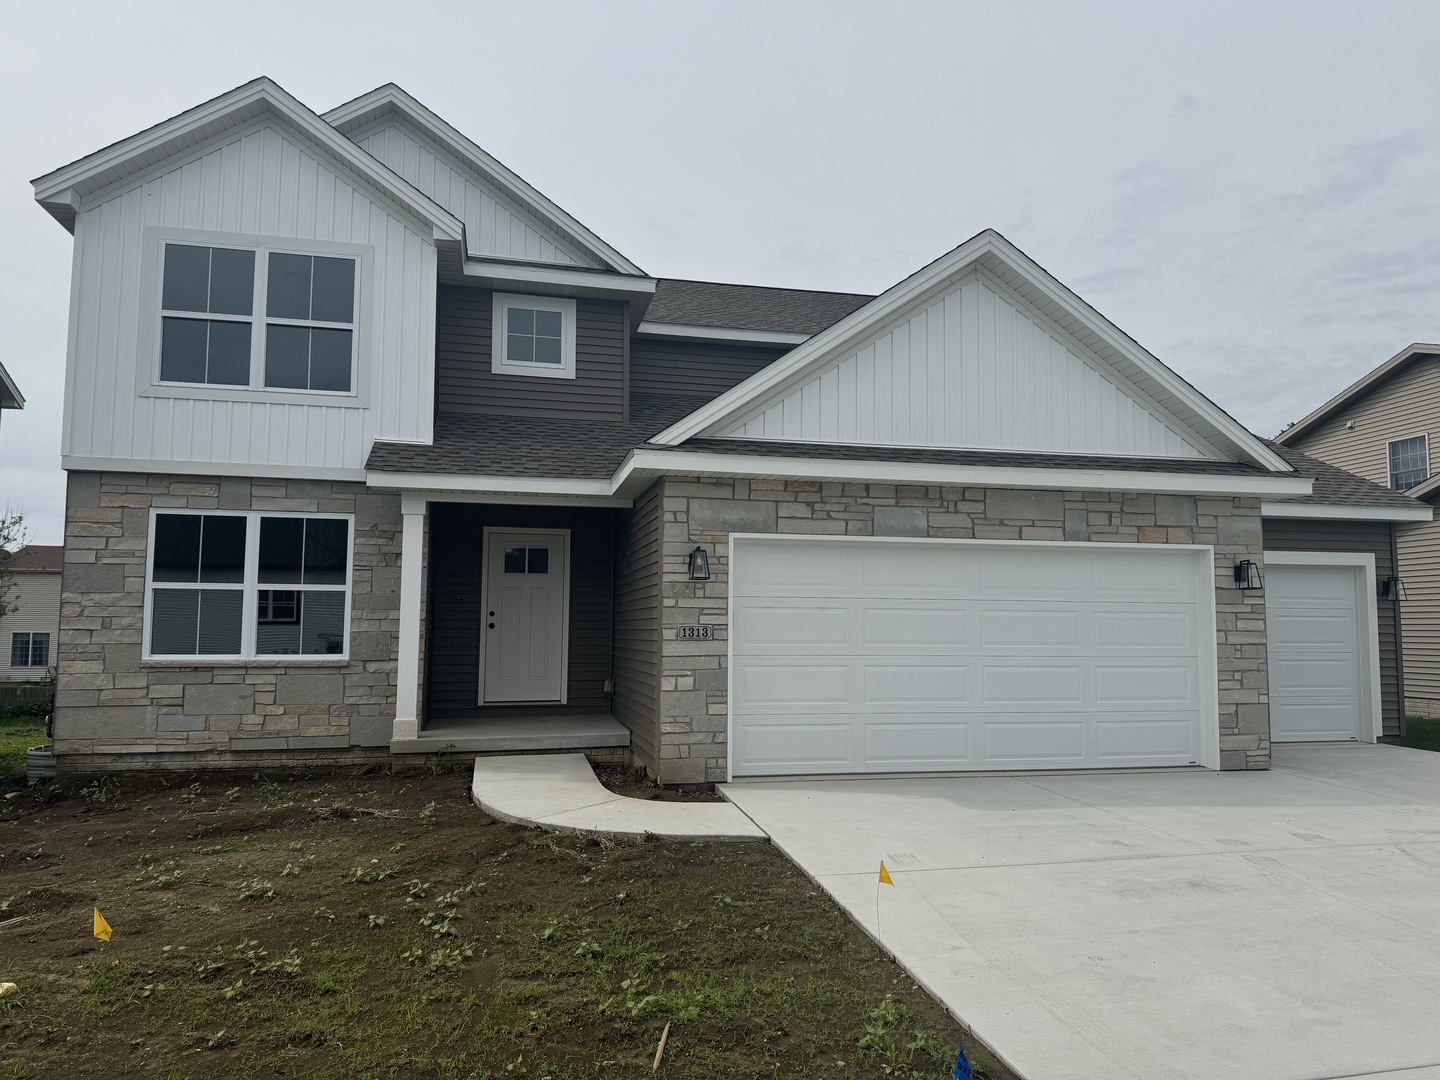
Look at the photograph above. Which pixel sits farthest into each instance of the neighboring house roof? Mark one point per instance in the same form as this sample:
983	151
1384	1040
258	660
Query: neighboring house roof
38	558
749	307
1356	390
10	396
1338	490
61	190
390	98
997	256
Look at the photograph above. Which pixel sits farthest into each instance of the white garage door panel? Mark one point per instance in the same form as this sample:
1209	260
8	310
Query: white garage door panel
851	656
1313	645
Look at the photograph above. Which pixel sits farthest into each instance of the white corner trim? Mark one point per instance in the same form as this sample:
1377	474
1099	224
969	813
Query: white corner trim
1367	604
719	333
684	462
1336	512
900	295
497	270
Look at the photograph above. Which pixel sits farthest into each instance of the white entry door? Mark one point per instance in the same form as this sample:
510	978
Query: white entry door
524	632
1318	655
853	655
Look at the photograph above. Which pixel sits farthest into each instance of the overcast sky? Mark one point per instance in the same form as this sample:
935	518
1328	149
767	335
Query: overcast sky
1248	189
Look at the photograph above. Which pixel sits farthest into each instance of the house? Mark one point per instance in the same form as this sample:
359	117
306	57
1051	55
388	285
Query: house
10	396
373	449
1380	428
29	612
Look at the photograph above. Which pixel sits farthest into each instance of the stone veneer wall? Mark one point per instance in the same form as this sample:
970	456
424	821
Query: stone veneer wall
693	702
113	710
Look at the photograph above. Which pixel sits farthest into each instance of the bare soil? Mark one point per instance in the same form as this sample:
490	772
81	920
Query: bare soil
342	924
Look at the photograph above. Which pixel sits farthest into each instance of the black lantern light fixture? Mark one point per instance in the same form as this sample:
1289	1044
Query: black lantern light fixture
1392	588
1247	575
699	565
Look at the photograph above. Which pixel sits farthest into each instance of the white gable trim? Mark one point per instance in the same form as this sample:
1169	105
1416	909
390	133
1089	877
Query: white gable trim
364	110
61	191
798	364
1338	512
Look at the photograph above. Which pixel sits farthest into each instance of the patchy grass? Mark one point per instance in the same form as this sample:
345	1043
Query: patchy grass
19	730
1422	733
345	925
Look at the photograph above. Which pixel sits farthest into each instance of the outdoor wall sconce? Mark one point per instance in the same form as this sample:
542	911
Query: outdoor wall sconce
1247	575
699	565
1392	588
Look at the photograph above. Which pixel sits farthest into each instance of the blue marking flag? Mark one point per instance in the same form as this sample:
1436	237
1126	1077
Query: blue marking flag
962	1067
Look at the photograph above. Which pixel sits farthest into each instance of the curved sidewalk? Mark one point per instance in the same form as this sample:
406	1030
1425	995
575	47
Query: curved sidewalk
560	792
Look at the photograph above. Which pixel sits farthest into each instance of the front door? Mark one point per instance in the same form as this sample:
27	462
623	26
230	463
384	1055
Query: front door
523	633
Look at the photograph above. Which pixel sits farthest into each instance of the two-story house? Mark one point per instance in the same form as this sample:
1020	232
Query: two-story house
29	612
1380	428
372	448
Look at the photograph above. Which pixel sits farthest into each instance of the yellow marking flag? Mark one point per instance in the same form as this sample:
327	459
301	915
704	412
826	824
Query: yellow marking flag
102	928
884	876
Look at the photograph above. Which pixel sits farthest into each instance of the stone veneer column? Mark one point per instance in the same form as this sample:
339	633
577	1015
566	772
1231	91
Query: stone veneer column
693	688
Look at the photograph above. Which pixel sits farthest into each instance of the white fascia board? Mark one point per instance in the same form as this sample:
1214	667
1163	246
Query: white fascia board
392	95
490	485
720	333
1353	391
150	144
682	462
906	292
518	274
1334	512
71	463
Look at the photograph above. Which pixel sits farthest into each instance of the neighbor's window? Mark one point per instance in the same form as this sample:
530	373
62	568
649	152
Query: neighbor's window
29	650
1409	462
257	318
533	335
212	585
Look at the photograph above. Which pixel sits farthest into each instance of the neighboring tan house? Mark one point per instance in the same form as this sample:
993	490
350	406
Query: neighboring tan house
1382	428
10	396
373	450
30	628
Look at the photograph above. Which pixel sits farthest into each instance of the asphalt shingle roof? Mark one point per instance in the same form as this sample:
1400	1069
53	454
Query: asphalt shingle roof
1334	486
749	307
34	557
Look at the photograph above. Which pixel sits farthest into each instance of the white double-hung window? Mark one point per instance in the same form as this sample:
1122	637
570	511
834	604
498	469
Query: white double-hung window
247	585
1409	462
257	318
533	335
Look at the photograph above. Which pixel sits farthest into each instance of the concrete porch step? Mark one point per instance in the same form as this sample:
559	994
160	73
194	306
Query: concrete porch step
500	734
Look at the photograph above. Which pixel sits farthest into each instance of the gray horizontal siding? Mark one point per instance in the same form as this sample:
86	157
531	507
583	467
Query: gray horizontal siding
454	608
637	627
464	382
1287	534
1419	550
694	368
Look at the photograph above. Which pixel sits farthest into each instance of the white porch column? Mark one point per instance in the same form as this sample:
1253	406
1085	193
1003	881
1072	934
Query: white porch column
407	689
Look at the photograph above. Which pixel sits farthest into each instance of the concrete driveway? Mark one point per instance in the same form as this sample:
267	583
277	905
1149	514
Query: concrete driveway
1251	926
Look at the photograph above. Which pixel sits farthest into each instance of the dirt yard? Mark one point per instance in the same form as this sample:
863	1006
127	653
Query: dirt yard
378	925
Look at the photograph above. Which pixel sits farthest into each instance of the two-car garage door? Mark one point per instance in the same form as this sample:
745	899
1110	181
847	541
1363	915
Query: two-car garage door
853	655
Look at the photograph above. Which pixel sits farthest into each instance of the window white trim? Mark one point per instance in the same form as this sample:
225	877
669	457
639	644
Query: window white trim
250	585
501	364
148	377
1389	460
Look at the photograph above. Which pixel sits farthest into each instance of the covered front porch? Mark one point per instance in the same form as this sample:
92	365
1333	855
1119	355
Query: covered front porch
510	627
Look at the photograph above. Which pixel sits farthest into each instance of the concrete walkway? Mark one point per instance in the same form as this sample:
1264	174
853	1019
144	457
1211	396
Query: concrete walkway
1154	926
559	792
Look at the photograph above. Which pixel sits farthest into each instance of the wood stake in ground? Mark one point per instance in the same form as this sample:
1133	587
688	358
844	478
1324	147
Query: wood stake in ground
661	1048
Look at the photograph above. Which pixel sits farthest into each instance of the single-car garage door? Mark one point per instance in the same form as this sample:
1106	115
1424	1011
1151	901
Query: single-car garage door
859	655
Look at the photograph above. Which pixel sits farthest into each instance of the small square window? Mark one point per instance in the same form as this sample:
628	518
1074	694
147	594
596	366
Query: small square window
1409	462
533	335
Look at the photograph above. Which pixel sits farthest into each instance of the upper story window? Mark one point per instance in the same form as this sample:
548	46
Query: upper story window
247	584
1409	462
533	335
257	318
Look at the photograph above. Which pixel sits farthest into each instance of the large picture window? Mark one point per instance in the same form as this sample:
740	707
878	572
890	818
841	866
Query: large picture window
246	585
257	318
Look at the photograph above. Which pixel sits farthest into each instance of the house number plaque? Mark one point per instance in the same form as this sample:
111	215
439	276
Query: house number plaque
694	633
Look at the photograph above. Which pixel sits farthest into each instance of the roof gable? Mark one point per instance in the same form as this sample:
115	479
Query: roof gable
62	190
956	354
505	217
1357	390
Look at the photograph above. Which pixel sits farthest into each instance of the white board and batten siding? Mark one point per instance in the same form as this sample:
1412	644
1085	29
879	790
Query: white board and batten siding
879	656
264	183
974	367
496	225
36	598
